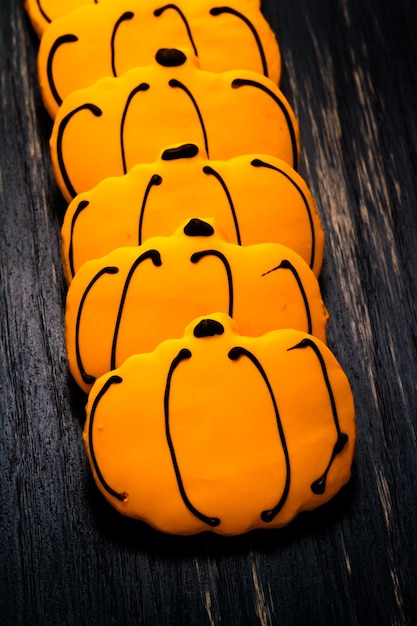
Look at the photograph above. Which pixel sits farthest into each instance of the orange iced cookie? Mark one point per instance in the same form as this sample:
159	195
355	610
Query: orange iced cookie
109	38
253	198
222	432
107	128
132	299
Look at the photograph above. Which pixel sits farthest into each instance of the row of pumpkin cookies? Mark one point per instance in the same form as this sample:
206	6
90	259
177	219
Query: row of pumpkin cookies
184	201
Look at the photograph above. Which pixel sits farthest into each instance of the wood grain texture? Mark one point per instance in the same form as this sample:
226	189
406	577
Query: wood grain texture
66	558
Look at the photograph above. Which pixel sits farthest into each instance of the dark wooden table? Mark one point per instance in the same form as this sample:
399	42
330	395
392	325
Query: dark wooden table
350	71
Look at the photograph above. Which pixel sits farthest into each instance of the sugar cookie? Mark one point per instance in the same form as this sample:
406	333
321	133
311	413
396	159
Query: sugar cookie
132	299
109	38
105	129
254	199
222	432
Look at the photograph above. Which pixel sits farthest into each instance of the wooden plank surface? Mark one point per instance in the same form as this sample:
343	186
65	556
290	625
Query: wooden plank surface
66	558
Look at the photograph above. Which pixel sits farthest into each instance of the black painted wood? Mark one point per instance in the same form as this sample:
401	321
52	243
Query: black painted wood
66	557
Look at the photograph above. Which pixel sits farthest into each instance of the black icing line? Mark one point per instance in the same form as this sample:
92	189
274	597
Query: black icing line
243	82
97	112
259	163
81	206
155	257
287	265
42	12
211	171
269	515
113	380
139	88
64	39
197	256
161	10
220	10
154	181
127	15
176	83
210	521
319	486
87	378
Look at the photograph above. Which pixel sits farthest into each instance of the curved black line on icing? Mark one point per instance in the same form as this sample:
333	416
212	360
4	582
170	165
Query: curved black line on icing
211	171
113	380
49	73
186	151
87	378
259	163
220	10
208	328
170	57
319	485
127	15
198	228
210	521
137	89
176	83
155	257
81	206
161	10
287	265
197	256
42	12
97	112
268	515
243	82
155	181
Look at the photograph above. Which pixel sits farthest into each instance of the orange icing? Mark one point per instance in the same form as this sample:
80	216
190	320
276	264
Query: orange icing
109	38
107	128
232	424
156	197
222	432
133	298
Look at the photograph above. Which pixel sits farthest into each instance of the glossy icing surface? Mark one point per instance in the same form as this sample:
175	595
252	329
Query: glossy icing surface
218	431
117	36
104	130
157	197
135	297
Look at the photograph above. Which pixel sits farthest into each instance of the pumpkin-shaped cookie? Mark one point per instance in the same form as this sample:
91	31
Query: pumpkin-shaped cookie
105	129
43	12
253	198
222	432
132	299
109	38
